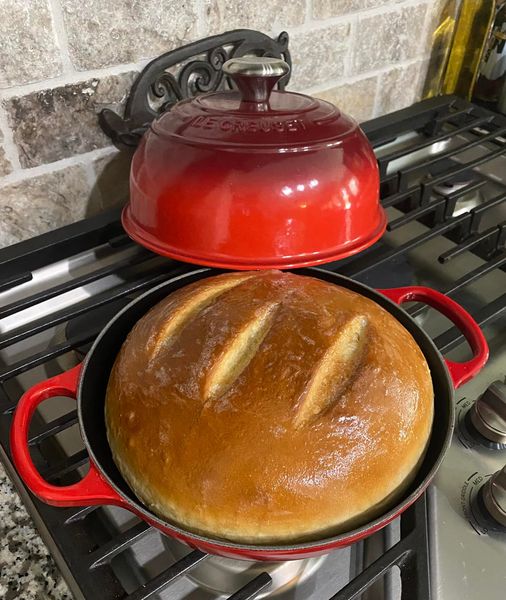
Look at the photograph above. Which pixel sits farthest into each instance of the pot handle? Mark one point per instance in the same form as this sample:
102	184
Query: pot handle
92	489
460	372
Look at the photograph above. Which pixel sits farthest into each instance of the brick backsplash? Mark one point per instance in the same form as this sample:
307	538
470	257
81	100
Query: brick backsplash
108	32
60	122
64	60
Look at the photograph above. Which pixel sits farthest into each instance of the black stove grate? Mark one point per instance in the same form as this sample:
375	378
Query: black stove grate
78	537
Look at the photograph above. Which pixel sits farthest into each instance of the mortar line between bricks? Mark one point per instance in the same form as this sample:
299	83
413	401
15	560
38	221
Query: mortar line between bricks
91	180
350	56
426	22
20	174
375	106
309	11
61	35
202	24
8	144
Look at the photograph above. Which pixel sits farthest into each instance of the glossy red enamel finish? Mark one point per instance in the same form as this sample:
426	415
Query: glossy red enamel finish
218	182
461	372
92	489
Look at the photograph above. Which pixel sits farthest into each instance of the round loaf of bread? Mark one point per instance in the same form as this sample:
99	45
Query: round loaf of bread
268	407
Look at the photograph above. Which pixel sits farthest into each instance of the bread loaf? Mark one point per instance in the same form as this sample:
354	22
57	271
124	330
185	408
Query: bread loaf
268	407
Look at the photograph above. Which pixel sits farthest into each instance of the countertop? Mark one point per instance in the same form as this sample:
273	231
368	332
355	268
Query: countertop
27	571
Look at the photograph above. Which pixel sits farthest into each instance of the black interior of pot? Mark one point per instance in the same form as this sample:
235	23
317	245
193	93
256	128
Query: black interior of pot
103	353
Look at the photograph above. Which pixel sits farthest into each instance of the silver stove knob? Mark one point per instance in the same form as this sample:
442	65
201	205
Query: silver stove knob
494	496
488	414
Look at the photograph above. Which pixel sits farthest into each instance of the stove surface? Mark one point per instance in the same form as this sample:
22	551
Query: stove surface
443	170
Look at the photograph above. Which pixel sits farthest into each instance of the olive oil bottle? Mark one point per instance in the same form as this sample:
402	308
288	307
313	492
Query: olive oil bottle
471	35
441	44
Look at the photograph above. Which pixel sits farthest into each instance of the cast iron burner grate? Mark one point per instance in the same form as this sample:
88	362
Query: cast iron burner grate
425	193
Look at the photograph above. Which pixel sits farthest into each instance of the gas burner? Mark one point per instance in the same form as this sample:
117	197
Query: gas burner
226	575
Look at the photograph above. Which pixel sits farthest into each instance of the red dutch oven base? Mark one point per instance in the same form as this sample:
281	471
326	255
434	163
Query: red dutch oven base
104	485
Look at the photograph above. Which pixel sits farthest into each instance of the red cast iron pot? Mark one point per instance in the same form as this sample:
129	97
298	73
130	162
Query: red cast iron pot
104	484
255	178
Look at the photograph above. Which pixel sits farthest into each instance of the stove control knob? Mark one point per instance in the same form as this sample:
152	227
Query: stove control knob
488	414
494	497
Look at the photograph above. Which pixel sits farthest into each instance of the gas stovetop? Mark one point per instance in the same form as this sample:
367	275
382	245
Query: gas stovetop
443	172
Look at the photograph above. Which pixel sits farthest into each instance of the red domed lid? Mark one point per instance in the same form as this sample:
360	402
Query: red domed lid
255	178
256	116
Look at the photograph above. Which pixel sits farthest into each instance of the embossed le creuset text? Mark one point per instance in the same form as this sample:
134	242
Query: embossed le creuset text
247	125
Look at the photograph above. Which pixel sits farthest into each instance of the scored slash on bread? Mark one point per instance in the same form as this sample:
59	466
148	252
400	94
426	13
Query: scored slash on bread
331	376
239	352
191	306
334	371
